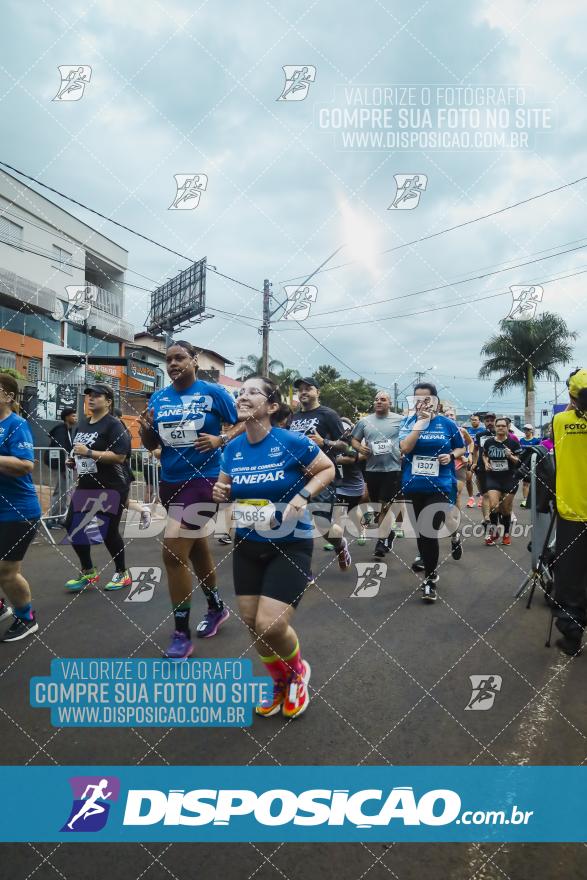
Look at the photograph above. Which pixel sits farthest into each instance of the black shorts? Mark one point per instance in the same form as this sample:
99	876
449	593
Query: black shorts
277	569
351	501
15	538
384	486
506	485
482	481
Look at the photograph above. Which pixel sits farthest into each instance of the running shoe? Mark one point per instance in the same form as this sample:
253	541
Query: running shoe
380	549
119	580
180	646
523	504
363	539
311	582
328	546
344	557
296	693
399	533
272	705
480	502
85	579
418	564
491	539
571	647
471	502
429	588
146	517
224	538
456	546
213	620
20	629
5	610
506	540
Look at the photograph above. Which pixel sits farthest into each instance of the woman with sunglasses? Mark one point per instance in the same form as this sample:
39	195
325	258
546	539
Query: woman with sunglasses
271	475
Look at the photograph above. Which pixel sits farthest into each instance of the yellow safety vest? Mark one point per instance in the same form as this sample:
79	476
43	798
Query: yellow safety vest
569	433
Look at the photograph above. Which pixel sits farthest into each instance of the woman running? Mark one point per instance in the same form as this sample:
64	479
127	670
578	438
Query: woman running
185	420
272	474
20	512
501	456
100	448
131	504
430	444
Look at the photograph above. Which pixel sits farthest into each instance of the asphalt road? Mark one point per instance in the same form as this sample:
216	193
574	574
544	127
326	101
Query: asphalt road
390	685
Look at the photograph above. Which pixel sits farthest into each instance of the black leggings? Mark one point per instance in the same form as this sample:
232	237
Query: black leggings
428	546
111	535
570	568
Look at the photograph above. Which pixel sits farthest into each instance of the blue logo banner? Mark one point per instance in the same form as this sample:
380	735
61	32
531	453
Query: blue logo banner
313	804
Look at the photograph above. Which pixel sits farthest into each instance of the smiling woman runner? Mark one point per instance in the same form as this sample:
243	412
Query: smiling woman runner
19	512
272	474
185	419
100	447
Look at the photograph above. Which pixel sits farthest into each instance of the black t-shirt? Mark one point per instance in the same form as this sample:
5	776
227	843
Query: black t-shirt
106	434
481	438
323	421
495	451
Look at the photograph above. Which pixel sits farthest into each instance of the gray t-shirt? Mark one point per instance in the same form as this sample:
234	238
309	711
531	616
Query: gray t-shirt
381	433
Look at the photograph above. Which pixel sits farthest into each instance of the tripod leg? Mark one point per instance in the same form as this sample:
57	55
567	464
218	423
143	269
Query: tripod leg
549	636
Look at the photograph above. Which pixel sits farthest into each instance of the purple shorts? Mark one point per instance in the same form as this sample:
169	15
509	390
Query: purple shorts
176	497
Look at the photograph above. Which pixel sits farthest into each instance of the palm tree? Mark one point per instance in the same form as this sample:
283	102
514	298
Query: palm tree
527	350
254	367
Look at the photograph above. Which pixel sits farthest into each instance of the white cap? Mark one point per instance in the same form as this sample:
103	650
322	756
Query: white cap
528	427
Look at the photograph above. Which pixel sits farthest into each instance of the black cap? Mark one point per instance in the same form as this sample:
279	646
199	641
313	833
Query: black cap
67	411
308	380
100	388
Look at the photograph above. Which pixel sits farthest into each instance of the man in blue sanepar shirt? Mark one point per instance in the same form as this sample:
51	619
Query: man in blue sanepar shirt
185	420
430	443
527	440
19	513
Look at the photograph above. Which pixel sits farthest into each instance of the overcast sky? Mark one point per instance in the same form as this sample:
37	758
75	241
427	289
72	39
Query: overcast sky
182	87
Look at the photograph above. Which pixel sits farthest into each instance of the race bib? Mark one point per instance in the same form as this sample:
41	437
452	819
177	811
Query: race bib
501	465
178	433
251	512
424	466
85	465
483	441
380	447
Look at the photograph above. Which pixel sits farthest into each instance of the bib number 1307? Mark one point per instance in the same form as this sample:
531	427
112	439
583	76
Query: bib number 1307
424	466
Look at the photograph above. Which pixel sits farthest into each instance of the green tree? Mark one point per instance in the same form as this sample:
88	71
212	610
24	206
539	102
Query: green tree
525	351
254	367
348	398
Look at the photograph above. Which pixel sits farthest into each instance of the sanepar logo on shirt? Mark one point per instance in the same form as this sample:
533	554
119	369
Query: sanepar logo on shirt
269	477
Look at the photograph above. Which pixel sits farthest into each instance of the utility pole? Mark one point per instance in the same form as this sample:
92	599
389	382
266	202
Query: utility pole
265	327
395	395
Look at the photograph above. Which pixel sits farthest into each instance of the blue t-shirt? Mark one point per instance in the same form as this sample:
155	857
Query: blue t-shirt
534	441
473	431
441	437
179	417
272	469
18	499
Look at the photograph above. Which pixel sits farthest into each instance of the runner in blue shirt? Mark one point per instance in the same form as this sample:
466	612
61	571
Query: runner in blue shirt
185	420
473	429
19	512
430	443
271	475
527	440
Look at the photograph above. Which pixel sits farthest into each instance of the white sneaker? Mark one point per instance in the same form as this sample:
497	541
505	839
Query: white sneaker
146	517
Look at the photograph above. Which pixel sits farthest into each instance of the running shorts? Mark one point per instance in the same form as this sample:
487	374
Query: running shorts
507	485
15	538
176	497
351	501
279	570
384	486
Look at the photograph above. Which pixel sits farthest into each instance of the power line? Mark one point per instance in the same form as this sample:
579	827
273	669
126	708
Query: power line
452	228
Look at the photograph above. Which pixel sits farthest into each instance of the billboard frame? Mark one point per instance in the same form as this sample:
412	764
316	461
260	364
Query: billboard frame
179	302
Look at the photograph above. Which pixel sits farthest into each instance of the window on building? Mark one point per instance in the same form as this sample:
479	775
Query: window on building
62	260
30	324
10	233
7	360
33	370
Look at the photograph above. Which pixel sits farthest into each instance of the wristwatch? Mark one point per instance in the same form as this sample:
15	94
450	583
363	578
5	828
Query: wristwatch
303	493
224	439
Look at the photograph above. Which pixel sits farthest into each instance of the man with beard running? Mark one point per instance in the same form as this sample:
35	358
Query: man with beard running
378	435
325	427
481	439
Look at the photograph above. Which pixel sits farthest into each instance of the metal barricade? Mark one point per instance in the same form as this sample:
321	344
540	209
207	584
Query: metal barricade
145	468
54	483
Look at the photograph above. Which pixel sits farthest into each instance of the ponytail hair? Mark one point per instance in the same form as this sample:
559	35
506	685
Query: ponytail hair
9	384
272	394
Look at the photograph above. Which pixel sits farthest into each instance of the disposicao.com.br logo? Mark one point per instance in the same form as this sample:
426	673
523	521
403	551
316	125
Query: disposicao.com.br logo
92	796
313	807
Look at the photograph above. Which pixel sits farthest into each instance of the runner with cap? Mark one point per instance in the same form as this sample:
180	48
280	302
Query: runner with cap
473	429
101	446
324	426
501	458
527	440
20	512
481	439
378	435
570	568
271	475
185	420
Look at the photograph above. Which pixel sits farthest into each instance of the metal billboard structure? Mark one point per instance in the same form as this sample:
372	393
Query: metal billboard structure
179	302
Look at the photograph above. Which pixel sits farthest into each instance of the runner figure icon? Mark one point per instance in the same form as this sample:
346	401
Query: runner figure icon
143	584
96	505
524	302
90	806
73	82
409	189
484	691
297	82
189	191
